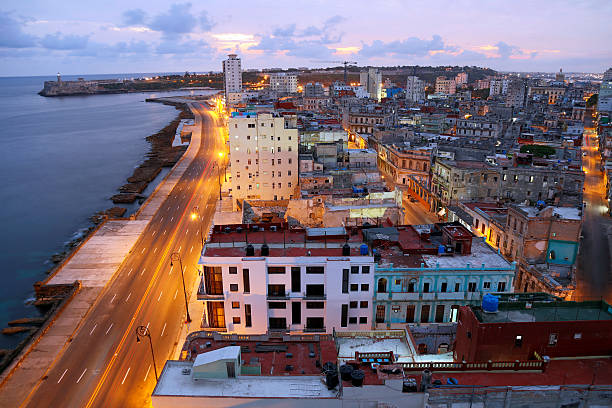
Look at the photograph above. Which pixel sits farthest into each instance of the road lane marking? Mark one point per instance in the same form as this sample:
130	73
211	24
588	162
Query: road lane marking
147	374
114	296
162	218
170	272
143	271
125	376
163	330
58	381
187	232
164	232
160	293
174	298
171	219
128	298
180	248
82	374
94	328
109	327
148	324
143	249
131	269
191	250
110	364
155	250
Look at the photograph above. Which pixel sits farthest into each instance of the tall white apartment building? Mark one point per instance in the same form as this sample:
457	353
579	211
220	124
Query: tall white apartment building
461	78
371	80
283	82
498	86
266	277
415	89
263	156
445	86
232	79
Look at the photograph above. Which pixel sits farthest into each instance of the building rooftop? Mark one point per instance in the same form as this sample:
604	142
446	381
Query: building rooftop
546	312
172	381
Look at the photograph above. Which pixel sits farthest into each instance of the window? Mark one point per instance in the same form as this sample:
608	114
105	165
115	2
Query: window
276	270
365	269
251	125
315	269
276	290
290	161
315	290
457	287
354	287
411	287
277	305
213	280
216	314
443	287
363	304
552	339
486	285
296	284
315	305
279	161
354	269
246	282
426	287
353	304
518	341
233	270
363	320
501	286
236	319
382	285
247	316
352	320
472	287
235	305
365	287
233	287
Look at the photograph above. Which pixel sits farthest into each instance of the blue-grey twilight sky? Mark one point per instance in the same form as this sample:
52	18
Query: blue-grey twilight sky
42	37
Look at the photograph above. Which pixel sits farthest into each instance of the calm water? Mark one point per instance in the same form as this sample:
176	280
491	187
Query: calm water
60	161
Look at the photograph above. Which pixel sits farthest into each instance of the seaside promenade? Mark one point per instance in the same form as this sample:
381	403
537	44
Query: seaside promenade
126	280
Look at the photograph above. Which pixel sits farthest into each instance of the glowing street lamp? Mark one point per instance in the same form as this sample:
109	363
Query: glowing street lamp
177	257
143	331
195	214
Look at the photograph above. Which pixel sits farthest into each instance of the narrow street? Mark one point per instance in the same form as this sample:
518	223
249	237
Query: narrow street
594	274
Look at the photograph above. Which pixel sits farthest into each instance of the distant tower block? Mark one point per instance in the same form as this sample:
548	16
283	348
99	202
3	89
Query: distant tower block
59	79
560	77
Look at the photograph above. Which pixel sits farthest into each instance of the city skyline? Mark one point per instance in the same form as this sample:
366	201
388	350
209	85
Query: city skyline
41	39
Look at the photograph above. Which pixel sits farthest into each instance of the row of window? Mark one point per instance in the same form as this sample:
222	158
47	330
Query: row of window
256	174
265	161
272	150
274	185
411	287
252	125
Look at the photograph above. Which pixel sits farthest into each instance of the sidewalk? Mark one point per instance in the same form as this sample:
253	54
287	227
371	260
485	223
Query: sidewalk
94	264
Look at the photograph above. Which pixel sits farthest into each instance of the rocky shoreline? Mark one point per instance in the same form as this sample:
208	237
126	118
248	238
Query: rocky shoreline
161	154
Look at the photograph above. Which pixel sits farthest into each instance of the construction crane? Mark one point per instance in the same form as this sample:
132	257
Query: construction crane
345	63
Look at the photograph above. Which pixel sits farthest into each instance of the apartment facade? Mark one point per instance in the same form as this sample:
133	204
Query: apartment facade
400	164
262	278
371	80
415	89
474	126
445	86
263	156
232	79
283	82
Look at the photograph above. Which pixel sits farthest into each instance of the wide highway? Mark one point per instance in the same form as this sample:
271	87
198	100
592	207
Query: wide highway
104	365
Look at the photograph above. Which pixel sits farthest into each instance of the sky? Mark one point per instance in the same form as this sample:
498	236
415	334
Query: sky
40	37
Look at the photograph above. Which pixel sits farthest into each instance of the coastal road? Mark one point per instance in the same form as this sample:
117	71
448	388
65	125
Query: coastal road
104	365
594	272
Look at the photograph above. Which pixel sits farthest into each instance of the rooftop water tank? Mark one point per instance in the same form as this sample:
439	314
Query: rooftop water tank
250	251
346	250
490	303
441	249
265	250
363	249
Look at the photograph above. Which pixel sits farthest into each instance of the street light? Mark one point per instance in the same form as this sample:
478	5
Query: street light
194	215
224	167
143	331
175	256
218	177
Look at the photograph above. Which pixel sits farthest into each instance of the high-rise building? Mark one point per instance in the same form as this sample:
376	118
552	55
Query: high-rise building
515	96
232	79
371	80
263	156
559	76
315	90
415	89
607	76
461	78
446	86
283	82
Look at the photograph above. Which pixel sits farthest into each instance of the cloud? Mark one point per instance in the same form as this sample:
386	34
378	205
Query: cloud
186	47
206	23
412	46
178	20
12	34
134	17
309	42
95	49
58	41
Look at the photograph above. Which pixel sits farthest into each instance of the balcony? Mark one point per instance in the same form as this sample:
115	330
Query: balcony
314	329
278	296
202	295
310	296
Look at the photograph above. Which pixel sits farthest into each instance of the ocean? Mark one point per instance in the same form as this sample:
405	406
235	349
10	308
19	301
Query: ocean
61	160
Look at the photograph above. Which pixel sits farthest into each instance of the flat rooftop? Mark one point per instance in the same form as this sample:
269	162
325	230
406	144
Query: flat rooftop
546	312
172	381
